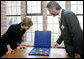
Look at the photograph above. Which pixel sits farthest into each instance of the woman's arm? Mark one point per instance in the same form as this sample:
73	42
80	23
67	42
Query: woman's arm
6	36
10	50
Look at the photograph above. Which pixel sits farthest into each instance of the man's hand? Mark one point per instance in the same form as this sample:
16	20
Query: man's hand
10	50
55	45
77	56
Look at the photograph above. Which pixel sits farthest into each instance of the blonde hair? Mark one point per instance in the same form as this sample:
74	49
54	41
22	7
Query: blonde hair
27	22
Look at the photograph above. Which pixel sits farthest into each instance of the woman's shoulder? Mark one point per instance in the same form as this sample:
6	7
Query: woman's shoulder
13	26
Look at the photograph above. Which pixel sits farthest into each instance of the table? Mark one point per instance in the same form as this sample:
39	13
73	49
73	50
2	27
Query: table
23	53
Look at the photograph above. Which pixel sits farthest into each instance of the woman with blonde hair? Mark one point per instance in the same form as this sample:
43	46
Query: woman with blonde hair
13	36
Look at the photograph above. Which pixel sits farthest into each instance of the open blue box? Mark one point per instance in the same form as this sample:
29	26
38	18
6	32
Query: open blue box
42	43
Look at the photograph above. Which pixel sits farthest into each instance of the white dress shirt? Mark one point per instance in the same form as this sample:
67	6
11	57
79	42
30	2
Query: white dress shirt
59	16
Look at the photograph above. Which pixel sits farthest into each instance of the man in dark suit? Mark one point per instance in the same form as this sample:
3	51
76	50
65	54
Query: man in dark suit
13	36
71	32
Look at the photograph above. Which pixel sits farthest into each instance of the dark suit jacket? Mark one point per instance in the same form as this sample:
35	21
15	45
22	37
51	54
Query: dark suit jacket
71	33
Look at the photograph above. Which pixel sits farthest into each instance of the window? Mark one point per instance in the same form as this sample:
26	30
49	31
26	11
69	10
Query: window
53	26
80	18
13	20
13	12
13	8
34	7
77	8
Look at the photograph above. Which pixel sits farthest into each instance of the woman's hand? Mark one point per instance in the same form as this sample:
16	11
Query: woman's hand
10	50
22	46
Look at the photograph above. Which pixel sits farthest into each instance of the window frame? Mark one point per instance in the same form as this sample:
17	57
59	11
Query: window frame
34	14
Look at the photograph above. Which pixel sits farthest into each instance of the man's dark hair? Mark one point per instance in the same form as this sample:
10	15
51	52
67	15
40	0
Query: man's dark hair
53	4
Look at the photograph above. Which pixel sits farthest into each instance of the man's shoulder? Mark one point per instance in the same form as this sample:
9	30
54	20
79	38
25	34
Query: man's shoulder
66	12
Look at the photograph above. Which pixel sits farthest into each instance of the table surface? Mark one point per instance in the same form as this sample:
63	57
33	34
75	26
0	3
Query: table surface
23	53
